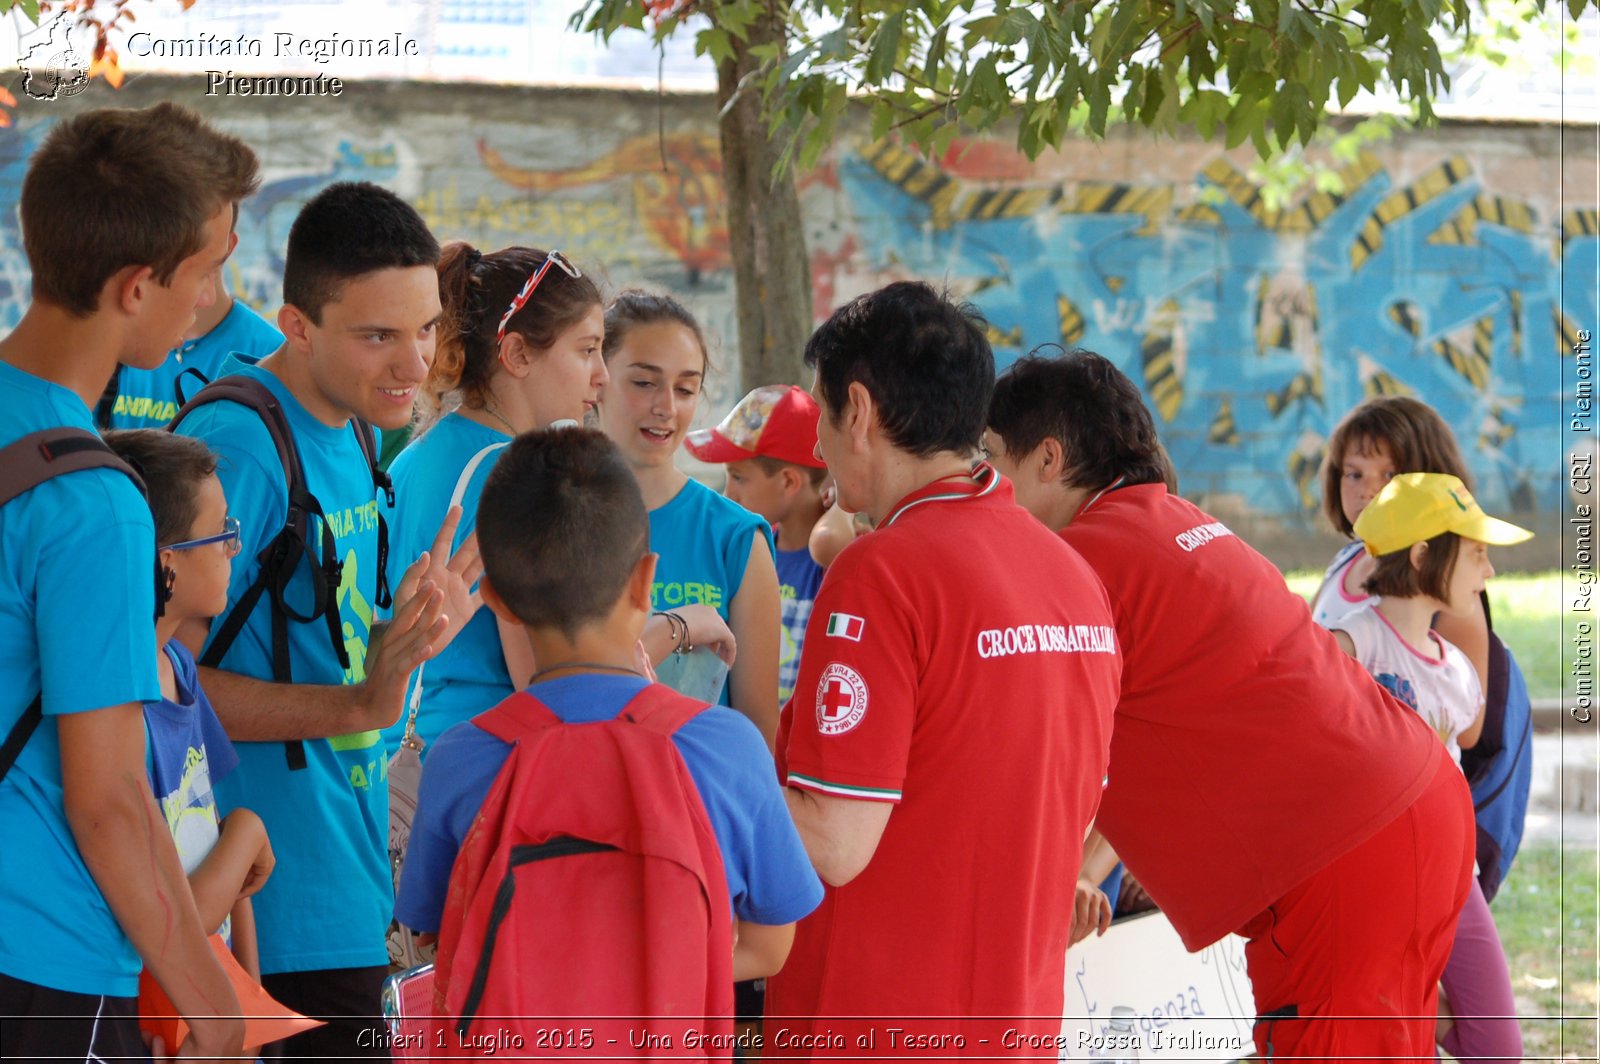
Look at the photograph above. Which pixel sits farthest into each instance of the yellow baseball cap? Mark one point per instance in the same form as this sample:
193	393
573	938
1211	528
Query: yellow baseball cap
1417	506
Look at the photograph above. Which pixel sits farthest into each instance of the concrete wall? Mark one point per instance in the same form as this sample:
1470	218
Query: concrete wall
1458	266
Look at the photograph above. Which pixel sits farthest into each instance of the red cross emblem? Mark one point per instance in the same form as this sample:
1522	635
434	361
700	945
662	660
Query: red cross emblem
841	699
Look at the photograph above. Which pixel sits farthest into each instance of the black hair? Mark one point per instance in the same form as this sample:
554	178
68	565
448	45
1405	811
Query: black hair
561	525
922	357
349	229
1080	399
172	467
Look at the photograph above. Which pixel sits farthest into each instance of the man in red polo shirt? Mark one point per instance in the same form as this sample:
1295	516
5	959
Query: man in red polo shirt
946	742
1260	782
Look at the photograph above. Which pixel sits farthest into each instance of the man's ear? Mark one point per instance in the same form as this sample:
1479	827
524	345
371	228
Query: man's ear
860	415
128	288
296	327
496	604
1052	461
642	582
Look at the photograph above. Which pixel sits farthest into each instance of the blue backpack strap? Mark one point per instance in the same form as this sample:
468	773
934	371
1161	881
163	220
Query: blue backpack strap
26	463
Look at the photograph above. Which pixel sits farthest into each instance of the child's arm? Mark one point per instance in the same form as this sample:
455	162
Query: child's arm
128	849
759	950
833	532
235	868
754	616
243	921
1346	644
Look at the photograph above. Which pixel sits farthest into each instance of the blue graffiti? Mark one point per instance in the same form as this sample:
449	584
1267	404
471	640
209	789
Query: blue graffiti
1251	340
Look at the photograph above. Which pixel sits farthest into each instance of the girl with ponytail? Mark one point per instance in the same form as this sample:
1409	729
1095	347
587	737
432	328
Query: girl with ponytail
519	350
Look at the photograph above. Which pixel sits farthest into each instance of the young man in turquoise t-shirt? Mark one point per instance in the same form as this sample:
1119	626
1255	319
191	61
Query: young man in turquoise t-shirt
127	218
360	308
148	398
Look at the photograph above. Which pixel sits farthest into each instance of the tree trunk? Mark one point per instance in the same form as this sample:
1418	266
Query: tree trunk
772	275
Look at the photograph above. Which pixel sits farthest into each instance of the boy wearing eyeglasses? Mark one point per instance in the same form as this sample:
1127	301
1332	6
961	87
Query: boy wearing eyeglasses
227	859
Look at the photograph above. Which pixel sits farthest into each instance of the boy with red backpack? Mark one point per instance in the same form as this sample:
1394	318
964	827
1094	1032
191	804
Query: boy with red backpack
596	845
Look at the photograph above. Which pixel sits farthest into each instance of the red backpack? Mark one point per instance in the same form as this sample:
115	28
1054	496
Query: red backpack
588	903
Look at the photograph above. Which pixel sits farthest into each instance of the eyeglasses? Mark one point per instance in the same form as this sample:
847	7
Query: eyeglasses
229	535
555	258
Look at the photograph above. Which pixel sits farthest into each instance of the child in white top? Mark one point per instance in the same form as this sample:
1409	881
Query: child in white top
1377	439
1430	543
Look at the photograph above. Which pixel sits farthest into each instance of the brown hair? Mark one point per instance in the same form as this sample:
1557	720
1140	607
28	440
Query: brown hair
114	188
475	291
1395	577
773	466
1413	434
635	306
172	467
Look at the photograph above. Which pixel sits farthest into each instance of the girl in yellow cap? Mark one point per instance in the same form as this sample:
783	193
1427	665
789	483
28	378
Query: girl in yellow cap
1430	541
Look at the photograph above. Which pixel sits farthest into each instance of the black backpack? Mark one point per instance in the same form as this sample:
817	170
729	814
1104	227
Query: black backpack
281	556
24	465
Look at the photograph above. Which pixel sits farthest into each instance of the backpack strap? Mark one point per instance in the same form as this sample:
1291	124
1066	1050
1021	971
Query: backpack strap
415	702
24	465
380	482
657	707
280	558
661	709
108	399
520	716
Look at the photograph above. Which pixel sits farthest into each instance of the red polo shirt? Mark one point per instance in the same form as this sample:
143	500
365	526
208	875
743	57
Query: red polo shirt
1249	750
961	663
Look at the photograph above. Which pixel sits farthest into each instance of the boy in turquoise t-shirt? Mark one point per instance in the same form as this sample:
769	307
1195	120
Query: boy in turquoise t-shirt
361	304
127	218
769	444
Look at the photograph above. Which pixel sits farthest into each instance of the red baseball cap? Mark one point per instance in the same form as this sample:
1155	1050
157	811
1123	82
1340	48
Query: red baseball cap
774	421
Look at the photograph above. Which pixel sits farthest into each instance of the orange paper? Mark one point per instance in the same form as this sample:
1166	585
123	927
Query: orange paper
265	1020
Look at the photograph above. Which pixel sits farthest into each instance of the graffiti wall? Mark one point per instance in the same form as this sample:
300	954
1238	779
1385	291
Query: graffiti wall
1458	267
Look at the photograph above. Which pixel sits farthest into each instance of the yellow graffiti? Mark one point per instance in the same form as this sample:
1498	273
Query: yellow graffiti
1223	431
678	197
1395	206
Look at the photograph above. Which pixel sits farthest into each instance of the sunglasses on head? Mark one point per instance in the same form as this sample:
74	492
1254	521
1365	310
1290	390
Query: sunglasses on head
555	258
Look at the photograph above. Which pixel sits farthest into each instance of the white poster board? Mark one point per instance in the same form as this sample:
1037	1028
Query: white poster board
1190	1006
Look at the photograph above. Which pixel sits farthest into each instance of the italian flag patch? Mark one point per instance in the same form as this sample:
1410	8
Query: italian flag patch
846	626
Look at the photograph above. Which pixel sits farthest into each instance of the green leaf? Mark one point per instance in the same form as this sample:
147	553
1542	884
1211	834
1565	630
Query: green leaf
936	49
715	43
885	53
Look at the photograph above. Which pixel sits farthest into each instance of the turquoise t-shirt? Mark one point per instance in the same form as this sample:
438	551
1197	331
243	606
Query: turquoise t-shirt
469	675
703	539
148	398
77	609
328	901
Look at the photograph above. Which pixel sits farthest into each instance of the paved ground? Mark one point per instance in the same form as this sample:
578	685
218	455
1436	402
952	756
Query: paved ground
1562	802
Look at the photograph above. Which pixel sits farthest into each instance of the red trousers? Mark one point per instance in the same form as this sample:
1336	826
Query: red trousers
1346	965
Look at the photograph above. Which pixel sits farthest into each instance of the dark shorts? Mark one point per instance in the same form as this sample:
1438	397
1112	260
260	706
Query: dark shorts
349	1000
45	1024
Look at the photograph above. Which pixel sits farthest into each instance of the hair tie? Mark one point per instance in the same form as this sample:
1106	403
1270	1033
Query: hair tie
474	256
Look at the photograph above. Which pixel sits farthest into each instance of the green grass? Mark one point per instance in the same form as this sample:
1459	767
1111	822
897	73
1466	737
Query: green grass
1546	913
1527	616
